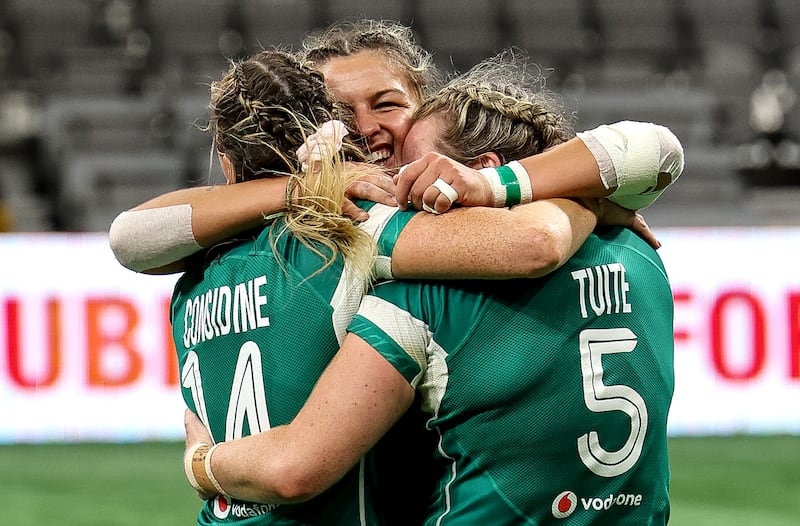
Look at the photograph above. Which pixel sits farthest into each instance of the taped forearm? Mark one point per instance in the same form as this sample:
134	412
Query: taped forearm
637	160
147	239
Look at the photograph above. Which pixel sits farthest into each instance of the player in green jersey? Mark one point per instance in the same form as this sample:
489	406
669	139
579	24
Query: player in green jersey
244	309
502	220
381	76
549	397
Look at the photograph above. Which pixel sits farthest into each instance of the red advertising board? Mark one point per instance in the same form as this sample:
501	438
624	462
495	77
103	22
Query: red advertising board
86	350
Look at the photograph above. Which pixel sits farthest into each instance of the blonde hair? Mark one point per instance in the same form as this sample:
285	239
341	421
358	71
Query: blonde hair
260	112
501	106
393	40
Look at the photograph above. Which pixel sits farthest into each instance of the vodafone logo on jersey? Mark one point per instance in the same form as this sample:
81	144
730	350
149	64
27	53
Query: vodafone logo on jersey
222	507
567	502
564	504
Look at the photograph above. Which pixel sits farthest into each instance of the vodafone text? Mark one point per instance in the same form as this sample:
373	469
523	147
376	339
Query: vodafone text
622	499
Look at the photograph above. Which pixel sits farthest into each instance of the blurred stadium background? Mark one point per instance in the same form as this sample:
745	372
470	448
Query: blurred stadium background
97	97
98	104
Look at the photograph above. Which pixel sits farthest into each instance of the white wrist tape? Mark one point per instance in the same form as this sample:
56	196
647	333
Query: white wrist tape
510	184
637	160
210	473
147	239
197	466
187	466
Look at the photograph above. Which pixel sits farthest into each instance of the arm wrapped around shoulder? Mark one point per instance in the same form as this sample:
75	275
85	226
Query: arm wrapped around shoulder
637	160
142	240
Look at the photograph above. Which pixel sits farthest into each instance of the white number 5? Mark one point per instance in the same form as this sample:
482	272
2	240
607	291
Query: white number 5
599	398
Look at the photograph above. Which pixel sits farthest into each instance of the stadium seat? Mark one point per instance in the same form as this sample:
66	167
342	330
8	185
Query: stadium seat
690	114
730	71
47	28
773	206
191	116
709	192
731	21
110	123
188	38
24	208
90	70
637	30
793	73
551	32
97	186
277	22
459	37
189	27
372	9
789	18
641	45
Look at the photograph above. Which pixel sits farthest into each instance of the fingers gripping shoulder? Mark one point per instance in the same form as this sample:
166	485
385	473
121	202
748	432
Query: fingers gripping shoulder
638	160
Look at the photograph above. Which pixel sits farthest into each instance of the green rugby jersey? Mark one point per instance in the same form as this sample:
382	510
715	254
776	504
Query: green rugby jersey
550	397
254	330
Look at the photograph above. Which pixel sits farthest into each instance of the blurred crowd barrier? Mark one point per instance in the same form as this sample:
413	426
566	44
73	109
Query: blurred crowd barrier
86	353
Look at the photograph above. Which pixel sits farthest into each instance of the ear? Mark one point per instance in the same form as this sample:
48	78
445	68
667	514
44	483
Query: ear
486	160
227	167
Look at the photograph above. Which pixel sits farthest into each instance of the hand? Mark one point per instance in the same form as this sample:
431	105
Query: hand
611	214
643	231
196	433
415	184
374	185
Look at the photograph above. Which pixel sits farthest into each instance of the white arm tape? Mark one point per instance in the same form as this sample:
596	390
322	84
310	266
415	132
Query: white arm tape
500	184
498	190
524	179
187	466
151	238
637	160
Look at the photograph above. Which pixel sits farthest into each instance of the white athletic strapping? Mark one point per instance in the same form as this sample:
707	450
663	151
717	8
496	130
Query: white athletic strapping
151	238
638	160
448	191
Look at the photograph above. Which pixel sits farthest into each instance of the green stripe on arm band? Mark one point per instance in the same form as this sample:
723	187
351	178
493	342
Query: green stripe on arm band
509	180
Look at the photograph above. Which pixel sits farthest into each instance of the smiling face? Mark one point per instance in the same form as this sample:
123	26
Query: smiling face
380	98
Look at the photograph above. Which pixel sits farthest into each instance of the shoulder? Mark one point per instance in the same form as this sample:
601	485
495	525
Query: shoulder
385	223
624	243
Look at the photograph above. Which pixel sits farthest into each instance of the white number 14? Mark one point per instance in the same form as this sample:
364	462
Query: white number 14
247	402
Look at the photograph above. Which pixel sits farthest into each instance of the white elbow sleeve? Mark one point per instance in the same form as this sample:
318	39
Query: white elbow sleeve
147	239
637	160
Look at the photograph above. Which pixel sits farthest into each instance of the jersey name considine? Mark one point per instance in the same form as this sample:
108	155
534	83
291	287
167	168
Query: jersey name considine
220	310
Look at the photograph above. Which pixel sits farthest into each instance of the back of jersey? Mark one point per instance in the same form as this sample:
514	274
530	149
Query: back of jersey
555	401
254	331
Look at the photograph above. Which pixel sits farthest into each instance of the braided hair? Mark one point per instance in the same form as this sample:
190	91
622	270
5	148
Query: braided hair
261	111
497	106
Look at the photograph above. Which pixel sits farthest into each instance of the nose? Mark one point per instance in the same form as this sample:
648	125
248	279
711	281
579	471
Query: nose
366	122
